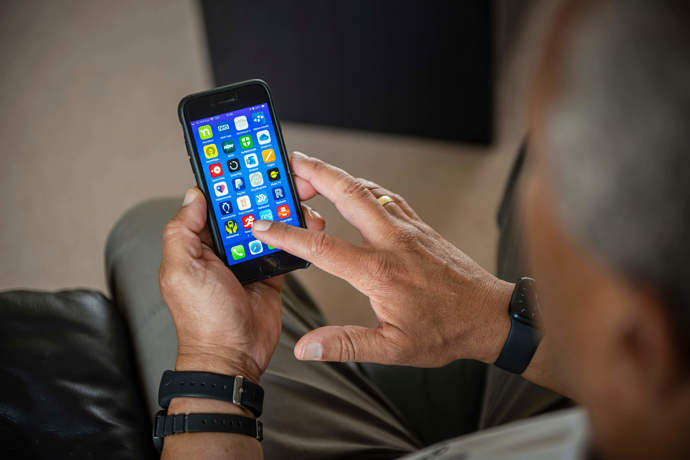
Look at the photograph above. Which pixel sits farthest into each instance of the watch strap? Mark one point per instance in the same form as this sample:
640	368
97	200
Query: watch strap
191	384
519	347
166	425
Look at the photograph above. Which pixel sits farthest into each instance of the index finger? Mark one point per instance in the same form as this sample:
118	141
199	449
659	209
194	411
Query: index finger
349	195
329	253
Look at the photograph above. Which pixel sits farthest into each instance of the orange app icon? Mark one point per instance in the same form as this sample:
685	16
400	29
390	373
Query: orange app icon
269	155
283	211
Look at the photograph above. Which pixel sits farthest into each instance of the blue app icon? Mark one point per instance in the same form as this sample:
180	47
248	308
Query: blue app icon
251	160
225	207
258	117
223	128
255	247
261	198
266	214
238	184
278	193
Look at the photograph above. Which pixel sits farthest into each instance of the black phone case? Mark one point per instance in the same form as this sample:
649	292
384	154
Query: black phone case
194	162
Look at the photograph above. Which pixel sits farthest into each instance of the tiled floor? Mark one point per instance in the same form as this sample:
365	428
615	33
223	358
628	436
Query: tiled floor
88	126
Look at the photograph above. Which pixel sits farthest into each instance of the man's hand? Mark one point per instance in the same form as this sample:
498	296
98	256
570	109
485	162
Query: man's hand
221	326
434	304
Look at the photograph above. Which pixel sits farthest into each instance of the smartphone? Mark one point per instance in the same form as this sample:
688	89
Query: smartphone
238	156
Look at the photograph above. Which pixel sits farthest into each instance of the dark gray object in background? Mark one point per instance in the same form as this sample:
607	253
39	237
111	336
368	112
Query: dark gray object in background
409	67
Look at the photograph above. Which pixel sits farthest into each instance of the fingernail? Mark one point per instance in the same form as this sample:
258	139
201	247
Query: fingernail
262	225
313	351
315	214
297	154
189	197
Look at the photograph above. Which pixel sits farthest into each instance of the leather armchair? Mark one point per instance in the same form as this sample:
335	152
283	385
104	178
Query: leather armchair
68	385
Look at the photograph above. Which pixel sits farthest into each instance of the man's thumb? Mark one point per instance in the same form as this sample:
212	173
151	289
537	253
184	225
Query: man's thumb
341	343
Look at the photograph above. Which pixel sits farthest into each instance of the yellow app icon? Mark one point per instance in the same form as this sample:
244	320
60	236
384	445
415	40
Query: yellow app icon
211	151
231	227
269	155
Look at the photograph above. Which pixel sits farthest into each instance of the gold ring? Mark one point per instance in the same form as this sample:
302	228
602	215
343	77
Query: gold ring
384	200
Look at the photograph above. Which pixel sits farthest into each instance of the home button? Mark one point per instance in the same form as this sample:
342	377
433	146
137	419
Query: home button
269	265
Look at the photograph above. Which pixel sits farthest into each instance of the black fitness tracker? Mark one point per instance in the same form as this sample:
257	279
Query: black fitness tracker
189	384
166	425
524	337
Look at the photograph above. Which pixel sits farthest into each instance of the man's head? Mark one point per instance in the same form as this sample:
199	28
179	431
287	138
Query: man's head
607	215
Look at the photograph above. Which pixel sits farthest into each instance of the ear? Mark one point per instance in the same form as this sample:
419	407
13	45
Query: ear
649	344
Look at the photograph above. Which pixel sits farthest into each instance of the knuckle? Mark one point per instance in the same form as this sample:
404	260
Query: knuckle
168	279
320	245
172	230
348	349
318	166
406	237
352	188
398	199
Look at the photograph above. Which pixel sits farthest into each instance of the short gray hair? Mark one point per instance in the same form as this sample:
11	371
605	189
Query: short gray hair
619	133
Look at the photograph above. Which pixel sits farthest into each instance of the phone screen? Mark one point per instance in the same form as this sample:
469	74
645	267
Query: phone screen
246	177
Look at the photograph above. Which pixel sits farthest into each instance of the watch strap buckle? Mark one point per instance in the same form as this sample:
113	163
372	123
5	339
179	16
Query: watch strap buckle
237	390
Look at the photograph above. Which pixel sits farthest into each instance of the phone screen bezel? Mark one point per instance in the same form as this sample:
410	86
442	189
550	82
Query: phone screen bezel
227	99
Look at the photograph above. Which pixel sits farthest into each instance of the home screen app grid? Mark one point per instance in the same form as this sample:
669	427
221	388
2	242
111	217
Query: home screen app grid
245	176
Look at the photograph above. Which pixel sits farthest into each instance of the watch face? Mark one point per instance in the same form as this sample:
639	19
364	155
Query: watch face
524	305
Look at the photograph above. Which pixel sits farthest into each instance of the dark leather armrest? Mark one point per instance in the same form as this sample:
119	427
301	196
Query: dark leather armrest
68	388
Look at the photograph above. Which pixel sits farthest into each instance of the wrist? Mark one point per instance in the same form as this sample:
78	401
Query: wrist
219	361
493	332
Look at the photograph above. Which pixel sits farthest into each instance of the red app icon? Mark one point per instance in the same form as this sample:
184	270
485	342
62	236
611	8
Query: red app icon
248	221
283	211
215	169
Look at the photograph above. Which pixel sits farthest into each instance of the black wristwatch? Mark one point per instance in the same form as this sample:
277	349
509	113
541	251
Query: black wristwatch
189	384
524	337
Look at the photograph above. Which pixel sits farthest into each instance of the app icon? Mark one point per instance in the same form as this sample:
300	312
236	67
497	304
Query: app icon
248	221
233	165
228	146
215	169
251	161
283	211
225	207
269	155
221	188
241	123
258	117
223	128
255	247
238	184
238	252
210	151
273	174
266	214
246	141
256	179
278	193
270	247
205	132
243	202
231	227
263	136
261	199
